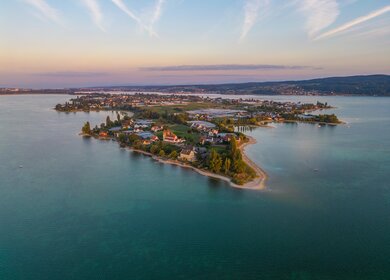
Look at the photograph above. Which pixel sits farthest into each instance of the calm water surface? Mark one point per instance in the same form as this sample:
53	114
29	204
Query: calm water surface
85	209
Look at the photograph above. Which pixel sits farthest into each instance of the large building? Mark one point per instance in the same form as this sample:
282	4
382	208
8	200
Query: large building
170	137
188	154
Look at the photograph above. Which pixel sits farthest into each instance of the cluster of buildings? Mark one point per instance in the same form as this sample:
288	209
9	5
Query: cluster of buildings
210	114
144	129
106	101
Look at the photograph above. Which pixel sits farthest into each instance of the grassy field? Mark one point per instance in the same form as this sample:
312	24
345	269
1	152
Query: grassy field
220	148
183	132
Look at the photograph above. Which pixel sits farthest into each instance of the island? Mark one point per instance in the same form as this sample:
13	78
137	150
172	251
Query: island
191	131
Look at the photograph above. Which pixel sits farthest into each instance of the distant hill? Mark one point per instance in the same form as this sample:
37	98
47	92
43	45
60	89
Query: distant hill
373	85
360	85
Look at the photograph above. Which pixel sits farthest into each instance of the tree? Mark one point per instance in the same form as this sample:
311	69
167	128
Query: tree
108	121
133	138
154	149
239	166
227	165
161	153
215	161
233	146
86	129
122	138
173	155
118	117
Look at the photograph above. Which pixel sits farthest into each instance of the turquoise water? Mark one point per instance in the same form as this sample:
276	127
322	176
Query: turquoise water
85	209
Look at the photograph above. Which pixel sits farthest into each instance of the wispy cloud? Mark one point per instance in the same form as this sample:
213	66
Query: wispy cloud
227	67
252	10
72	74
46	10
121	5
347	26
319	13
95	11
157	12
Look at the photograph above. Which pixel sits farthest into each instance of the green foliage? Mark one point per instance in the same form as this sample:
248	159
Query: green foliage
233	146
161	153
328	118
108	122
122	138
173	155
215	161
86	129
227	165
239	165
132	138
154	149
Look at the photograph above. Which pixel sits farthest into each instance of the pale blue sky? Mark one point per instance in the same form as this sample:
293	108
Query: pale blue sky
53	43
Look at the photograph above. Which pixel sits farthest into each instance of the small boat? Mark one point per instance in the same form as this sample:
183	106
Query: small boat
316	170
20	166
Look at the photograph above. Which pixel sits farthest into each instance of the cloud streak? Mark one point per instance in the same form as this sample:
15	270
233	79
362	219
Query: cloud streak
46	10
157	12
126	10
72	74
226	67
96	13
319	13
347	26
252	9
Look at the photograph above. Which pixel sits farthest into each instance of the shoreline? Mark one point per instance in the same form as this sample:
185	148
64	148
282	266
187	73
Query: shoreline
256	184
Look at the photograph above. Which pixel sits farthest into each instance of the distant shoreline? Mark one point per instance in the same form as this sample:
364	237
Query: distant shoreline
349	85
202	93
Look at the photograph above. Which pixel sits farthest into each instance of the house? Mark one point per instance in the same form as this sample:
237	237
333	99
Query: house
154	138
188	154
103	134
138	129
202	125
127	124
206	139
227	137
143	123
213	132
170	137
156	128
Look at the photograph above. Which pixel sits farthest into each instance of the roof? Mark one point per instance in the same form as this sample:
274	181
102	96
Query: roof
144	122
145	135
203	123
115	129
186	151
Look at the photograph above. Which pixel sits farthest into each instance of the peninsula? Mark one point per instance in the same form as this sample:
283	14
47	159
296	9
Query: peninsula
191	131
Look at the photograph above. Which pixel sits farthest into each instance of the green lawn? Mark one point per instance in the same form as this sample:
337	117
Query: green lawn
182	131
220	148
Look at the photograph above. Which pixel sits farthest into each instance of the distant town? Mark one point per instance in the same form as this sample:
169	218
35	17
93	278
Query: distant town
202	133
371	85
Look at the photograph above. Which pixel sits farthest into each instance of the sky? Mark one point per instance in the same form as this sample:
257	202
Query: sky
80	43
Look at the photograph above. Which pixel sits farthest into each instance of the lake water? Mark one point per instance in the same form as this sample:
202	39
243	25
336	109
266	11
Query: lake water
86	209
